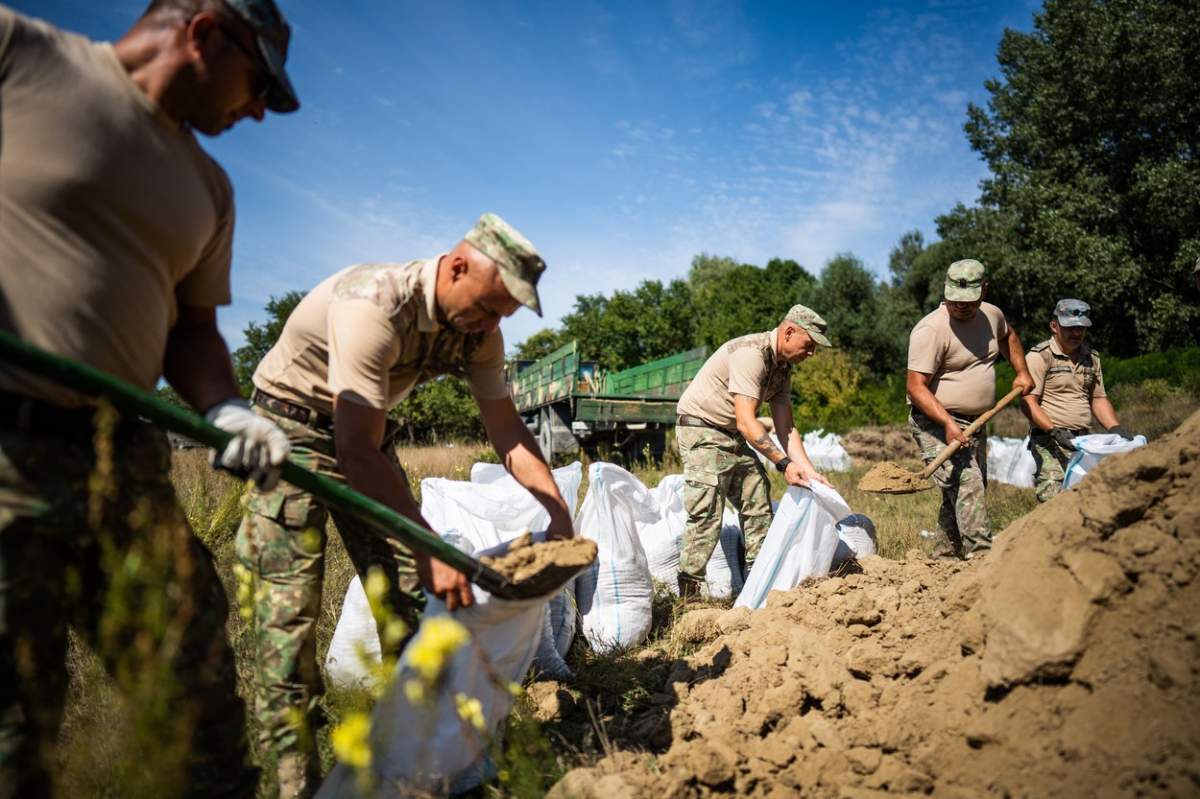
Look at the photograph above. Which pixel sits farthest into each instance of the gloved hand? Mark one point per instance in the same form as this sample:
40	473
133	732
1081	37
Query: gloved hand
1062	436
1116	429
258	448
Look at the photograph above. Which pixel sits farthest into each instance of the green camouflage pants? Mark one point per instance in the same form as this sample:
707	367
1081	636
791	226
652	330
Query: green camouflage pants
92	538
963	530
719	466
281	544
1050	463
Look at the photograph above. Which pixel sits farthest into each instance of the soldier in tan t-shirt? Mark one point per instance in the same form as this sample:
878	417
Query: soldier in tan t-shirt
951	380
116	230
717	426
353	348
1068	389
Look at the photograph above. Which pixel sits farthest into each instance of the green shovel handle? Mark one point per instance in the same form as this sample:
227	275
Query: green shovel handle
387	522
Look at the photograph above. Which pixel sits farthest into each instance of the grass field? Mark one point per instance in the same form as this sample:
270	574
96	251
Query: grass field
613	699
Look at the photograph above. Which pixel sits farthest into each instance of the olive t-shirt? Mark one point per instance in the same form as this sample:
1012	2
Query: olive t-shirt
747	365
111	215
961	357
370	334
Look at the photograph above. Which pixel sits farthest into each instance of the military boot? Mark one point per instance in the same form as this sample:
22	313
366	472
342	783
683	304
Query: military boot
689	587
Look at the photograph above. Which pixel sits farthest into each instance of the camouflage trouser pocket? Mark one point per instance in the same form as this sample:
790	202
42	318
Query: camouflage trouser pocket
282	532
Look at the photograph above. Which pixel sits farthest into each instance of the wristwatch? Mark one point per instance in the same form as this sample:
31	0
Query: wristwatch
783	463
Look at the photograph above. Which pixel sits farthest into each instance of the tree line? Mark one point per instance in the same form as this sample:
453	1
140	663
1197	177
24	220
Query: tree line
1091	136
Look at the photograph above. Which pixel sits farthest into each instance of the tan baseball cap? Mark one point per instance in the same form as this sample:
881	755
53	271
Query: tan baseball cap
519	263
811	321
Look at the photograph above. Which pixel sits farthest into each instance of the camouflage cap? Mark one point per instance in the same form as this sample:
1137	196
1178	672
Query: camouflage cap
810	321
964	281
1072	313
519	263
272	33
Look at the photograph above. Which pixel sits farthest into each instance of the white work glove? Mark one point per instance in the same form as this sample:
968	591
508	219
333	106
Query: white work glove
258	449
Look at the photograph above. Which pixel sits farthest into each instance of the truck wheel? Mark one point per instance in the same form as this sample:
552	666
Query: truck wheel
546	436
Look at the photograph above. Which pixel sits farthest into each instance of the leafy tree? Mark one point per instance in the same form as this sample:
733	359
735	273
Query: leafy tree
540	344
744	299
439	411
260	338
1092	138
864	317
633	327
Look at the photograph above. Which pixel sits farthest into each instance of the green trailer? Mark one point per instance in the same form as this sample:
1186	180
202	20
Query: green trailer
570	403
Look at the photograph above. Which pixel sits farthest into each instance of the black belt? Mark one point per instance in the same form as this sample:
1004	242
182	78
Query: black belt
36	416
687	420
292	410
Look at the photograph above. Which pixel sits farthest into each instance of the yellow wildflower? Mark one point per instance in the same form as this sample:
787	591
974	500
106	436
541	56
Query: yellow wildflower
470	710
415	691
394	632
439	638
376	586
350	740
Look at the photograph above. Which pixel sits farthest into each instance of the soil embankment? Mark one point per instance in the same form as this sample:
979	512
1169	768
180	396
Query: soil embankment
1063	664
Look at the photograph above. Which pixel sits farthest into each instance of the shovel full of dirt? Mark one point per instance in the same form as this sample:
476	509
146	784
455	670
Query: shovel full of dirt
533	569
888	478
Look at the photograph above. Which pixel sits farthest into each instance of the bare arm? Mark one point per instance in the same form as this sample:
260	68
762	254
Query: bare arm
1033	409
917	385
801	470
358	433
524	462
1014	353
1104	412
196	361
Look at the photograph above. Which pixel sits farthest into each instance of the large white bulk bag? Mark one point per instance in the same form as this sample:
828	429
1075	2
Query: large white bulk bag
1009	461
472	517
614	594
723	577
1091	449
427	746
800	544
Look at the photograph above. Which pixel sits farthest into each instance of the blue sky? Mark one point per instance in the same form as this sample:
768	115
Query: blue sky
621	138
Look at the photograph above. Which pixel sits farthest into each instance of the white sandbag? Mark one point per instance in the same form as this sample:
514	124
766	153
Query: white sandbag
1009	461
557	635
856	539
800	544
354	648
723	577
614	594
472	517
662	535
825	450
427	746
1091	449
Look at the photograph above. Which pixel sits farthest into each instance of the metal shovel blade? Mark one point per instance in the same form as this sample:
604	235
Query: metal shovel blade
534	577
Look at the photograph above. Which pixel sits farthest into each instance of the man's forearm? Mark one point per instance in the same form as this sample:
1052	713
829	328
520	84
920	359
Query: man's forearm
369	472
1036	414
1015	353
196	364
528	469
757	436
924	401
1104	412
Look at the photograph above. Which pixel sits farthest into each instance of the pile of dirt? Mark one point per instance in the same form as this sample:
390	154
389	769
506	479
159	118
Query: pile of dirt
881	444
1066	662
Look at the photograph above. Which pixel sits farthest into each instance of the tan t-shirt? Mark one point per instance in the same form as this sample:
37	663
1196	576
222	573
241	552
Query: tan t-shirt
747	365
961	356
370	334
110	214
1066	387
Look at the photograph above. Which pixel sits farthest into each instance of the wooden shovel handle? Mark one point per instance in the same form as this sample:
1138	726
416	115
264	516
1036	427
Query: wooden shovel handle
972	428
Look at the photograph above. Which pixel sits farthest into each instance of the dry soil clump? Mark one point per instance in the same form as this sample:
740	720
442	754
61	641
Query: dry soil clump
880	444
526	561
888	478
1065	663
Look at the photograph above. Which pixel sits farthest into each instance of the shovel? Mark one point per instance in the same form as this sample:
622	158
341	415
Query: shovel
888	478
382	519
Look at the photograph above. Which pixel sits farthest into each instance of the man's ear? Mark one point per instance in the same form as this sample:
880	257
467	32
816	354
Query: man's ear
198	33
459	267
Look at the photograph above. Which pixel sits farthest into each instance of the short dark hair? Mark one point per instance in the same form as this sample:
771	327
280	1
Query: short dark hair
162	11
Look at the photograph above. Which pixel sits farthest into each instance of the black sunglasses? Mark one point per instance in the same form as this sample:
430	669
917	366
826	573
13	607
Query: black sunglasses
262	78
